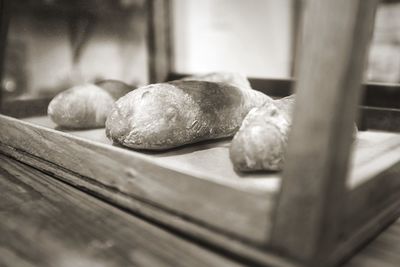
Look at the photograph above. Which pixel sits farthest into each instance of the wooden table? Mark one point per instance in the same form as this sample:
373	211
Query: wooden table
45	222
383	251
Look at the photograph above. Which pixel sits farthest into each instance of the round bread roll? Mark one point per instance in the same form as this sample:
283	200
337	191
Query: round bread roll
261	140
86	106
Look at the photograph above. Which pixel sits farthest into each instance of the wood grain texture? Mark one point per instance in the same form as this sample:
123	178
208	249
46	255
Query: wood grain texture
201	164
155	179
309	212
369	208
366	231
384	251
47	223
180	224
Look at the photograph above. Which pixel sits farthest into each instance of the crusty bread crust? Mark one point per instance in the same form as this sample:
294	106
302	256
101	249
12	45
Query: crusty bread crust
167	115
261	141
86	106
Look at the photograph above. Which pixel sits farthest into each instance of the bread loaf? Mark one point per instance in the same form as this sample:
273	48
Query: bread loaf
167	115
261	141
86	106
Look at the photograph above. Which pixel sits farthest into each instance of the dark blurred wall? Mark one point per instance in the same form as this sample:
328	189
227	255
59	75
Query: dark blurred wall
53	44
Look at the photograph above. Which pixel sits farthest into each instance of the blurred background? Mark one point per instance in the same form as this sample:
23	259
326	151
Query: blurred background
54	44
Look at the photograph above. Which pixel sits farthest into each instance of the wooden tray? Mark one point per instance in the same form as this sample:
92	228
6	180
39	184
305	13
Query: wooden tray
195	184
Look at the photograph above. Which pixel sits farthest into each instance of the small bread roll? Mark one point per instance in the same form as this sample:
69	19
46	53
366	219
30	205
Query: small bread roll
86	106
261	140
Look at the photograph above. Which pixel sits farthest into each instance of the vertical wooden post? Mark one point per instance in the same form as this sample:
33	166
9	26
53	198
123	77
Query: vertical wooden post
297	16
4	22
335	39
158	40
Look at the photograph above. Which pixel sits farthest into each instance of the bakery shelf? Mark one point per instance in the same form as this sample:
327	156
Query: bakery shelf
333	195
195	184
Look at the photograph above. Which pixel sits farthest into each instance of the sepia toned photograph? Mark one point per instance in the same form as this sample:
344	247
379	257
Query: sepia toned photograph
260	133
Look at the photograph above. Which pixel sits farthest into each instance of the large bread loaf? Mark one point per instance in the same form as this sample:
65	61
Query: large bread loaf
167	115
86	106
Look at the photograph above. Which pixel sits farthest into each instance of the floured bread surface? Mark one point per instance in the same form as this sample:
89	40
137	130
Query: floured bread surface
261	141
167	115
88	105
84	106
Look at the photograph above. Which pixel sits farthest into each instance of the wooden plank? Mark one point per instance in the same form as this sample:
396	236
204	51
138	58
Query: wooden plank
207	159
207	162
297	22
387	119
158	215
374	152
384	251
375	204
144	177
159	40
181	225
309	211
366	231
48	223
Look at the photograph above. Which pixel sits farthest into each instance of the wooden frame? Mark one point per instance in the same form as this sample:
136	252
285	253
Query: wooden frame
158	40
309	213
159	188
4	22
